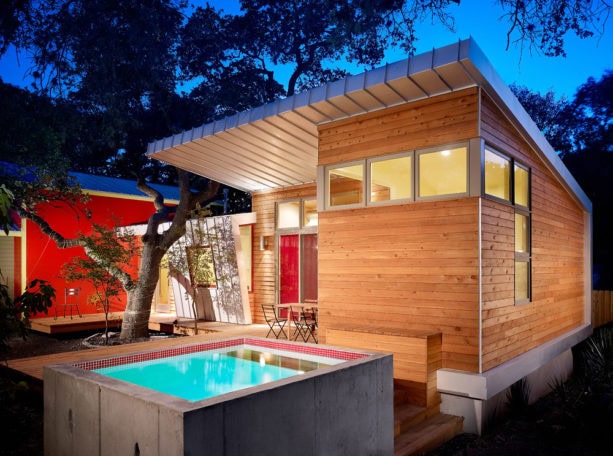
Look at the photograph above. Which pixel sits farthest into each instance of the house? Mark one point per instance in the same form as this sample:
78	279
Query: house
28	254
423	210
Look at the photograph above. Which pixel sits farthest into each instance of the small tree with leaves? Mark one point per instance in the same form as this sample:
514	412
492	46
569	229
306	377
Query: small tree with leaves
111	248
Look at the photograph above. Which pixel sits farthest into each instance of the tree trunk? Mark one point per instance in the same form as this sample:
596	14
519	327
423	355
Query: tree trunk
136	316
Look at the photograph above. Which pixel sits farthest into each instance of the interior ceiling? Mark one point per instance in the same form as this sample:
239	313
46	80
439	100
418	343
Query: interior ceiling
275	145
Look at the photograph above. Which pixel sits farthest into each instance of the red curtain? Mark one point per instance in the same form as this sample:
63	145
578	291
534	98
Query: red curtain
289	268
309	267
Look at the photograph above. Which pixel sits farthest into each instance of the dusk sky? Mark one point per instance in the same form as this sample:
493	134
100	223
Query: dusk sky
479	19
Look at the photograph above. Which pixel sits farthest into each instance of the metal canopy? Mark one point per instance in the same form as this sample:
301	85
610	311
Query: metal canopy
275	145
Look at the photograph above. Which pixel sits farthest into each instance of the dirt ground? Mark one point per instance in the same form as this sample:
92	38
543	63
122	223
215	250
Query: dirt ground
573	421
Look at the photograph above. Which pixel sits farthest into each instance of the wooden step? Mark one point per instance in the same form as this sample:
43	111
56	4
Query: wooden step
409	415
427	435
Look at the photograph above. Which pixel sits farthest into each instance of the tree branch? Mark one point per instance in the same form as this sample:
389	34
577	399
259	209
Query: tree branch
63	243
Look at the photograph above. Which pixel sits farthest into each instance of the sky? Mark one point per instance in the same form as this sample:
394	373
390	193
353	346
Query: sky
476	18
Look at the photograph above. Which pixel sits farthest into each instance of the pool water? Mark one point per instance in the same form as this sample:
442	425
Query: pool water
201	375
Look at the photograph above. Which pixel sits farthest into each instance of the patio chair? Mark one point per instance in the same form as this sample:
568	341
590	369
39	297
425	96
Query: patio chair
275	323
305	323
71	298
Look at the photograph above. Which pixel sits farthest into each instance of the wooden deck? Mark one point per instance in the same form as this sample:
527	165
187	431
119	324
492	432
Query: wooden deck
165	322
33	367
65	325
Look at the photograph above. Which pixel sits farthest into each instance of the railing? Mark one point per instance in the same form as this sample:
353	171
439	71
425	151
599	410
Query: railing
602	307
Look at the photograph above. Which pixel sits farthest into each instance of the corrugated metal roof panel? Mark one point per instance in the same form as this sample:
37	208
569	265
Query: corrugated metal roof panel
276	144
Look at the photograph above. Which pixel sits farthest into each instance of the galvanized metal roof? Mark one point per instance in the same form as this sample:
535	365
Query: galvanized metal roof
122	187
275	145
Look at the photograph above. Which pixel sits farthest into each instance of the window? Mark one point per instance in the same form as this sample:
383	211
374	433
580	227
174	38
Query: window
522	187
523	260
346	185
297	240
444	172
499	172
497	175
288	215
391	179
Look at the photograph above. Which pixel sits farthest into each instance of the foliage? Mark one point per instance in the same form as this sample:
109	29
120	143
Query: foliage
544	25
581	131
6	203
108	252
554	117
15	314
518	397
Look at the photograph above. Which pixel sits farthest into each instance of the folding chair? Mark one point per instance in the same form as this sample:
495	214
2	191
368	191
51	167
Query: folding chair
275	323
305	323
71	297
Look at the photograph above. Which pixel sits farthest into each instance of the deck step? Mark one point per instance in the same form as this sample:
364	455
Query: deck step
407	416
427	435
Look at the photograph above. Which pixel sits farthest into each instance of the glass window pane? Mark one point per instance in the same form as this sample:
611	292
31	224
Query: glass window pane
390	179
497	176
522	186
443	172
522	277
521	233
345	185
309	216
288	215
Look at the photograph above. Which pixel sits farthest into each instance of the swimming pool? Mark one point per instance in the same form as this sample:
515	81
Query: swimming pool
208	373
344	404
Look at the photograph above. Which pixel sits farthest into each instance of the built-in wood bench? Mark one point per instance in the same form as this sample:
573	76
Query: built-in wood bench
417	355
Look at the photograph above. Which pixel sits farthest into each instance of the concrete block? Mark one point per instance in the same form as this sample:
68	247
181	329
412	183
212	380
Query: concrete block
128	423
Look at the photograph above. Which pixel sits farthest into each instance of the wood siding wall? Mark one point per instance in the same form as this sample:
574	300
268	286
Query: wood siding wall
602	307
404	266
263	204
557	256
432	122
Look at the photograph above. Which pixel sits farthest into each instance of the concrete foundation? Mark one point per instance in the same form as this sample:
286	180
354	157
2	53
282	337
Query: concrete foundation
345	409
480	397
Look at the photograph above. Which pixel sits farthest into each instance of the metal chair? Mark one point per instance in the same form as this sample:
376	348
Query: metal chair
275	323
305	323
71	298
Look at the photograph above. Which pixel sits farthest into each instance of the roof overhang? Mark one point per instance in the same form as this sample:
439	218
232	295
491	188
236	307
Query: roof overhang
275	145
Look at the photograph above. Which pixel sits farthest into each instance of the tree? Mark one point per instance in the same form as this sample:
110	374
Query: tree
311	37
140	288
108	249
581	130
591	162
555	117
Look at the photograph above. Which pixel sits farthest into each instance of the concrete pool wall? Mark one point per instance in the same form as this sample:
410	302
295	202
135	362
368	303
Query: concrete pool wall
346	409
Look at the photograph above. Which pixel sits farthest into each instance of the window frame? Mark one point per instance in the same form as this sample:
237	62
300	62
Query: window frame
430	150
371	160
526	211
327	169
511	176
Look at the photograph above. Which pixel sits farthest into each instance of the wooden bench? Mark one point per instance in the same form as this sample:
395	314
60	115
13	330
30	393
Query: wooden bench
417	355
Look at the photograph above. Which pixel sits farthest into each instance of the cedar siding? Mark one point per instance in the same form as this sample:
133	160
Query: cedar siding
264	275
404	267
407	266
557	256
431	122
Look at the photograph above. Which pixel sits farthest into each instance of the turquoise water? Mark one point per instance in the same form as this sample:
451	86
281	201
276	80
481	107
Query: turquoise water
202	375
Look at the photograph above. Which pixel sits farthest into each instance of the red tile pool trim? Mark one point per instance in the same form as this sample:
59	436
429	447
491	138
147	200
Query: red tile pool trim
185	349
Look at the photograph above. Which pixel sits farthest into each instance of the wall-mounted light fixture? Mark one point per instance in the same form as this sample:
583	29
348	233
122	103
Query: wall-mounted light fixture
263	243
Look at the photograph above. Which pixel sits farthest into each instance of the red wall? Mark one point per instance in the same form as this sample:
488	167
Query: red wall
44	260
